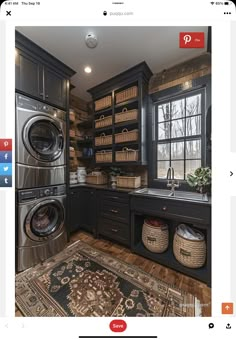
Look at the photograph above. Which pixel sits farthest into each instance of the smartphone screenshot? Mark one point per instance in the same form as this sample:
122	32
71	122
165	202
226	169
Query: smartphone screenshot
117	169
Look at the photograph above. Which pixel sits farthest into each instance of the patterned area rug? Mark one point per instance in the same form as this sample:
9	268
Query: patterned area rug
83	281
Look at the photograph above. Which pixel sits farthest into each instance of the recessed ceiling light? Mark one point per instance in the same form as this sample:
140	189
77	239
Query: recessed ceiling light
87	69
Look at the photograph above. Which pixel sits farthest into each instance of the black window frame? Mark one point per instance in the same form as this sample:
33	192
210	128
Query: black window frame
199	85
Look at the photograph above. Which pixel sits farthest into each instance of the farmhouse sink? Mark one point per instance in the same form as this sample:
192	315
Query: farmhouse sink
184	195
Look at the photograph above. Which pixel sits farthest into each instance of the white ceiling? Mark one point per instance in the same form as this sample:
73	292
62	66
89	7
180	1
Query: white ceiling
118	49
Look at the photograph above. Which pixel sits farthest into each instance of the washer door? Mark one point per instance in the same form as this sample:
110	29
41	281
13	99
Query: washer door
43	138
45	220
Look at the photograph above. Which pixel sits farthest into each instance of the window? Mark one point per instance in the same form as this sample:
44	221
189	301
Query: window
179	126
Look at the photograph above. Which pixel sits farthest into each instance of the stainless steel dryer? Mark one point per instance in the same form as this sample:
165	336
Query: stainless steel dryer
41	231
40	144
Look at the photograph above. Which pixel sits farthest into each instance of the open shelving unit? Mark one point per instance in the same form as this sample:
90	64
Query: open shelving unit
132	81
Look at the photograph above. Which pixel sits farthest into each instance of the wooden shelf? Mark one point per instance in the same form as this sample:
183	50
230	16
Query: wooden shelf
168	259
127	123
127	102
85	141
85	124
103	111
139	76
103	128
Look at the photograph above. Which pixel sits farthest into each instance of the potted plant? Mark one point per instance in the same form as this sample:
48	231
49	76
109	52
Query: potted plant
113	172
200	180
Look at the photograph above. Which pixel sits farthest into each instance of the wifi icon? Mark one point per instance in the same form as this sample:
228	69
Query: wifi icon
212	3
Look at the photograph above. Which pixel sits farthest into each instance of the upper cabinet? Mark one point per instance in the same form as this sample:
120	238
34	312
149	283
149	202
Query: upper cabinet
39	74
120	117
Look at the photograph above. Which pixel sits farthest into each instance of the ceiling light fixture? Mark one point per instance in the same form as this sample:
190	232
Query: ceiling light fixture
87	69
91	40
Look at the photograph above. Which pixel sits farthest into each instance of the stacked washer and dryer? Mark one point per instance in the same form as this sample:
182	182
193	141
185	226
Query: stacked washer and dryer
40	181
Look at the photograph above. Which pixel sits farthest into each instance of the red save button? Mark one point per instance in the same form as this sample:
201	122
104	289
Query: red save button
118	325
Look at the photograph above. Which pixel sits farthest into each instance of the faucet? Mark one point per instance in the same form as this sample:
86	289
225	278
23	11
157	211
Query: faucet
171	180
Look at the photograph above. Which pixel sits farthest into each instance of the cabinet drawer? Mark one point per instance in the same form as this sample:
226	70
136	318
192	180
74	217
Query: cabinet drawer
115	196
114	230
115	210
173	209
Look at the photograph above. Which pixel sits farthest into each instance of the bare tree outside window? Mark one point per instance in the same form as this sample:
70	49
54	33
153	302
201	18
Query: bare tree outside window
179	136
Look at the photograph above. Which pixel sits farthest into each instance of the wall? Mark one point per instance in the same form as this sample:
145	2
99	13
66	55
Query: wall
181	73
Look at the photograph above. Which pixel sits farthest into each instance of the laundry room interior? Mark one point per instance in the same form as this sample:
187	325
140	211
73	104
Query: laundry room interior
113	171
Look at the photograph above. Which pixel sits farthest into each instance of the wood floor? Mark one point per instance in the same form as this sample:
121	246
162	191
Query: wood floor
197	288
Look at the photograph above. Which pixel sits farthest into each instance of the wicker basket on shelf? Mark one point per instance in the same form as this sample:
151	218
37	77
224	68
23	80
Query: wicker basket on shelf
72	116
128	182
127	155
126	136
72	133
96	178
155	235
190	253
103	122
103	140
127	94
102	103
126	115
104	156
72	152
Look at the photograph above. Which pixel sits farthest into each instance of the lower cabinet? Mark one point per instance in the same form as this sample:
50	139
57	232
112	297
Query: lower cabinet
82	209
114	216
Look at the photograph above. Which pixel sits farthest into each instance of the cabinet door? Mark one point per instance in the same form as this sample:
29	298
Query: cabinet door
54	88
88	209
28	74
74	215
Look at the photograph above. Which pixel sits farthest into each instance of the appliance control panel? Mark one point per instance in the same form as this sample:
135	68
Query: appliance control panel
33	194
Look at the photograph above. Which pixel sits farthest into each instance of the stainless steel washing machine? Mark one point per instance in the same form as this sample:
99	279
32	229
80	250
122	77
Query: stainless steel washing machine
40	144
41	231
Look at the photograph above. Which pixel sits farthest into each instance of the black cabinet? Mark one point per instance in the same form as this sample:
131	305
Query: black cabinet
113	216
28	71
173	212
39	74
82	209
120	117
54	87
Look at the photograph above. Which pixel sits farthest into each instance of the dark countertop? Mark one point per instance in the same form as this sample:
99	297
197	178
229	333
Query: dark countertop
100	187
133	193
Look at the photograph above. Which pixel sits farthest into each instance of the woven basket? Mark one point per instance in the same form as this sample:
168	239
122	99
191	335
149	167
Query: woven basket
72	153
128	182
155	239
102	103
103	121
103	140
127	155
96	179
190	253
103	156
72	133
126	115
127	94
126	136
72	116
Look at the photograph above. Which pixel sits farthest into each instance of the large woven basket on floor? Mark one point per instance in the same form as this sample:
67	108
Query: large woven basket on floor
190	253
155	238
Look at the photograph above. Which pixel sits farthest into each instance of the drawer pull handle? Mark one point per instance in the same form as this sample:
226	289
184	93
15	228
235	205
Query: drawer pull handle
164	208
115	197
114	230
114	211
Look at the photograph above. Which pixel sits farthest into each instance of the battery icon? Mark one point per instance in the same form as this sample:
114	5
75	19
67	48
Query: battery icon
226	3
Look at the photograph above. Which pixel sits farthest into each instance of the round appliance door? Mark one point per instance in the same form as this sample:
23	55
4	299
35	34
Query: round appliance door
43	138
45	220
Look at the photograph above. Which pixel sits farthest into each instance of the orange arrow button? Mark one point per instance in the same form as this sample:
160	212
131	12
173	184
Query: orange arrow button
227	308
